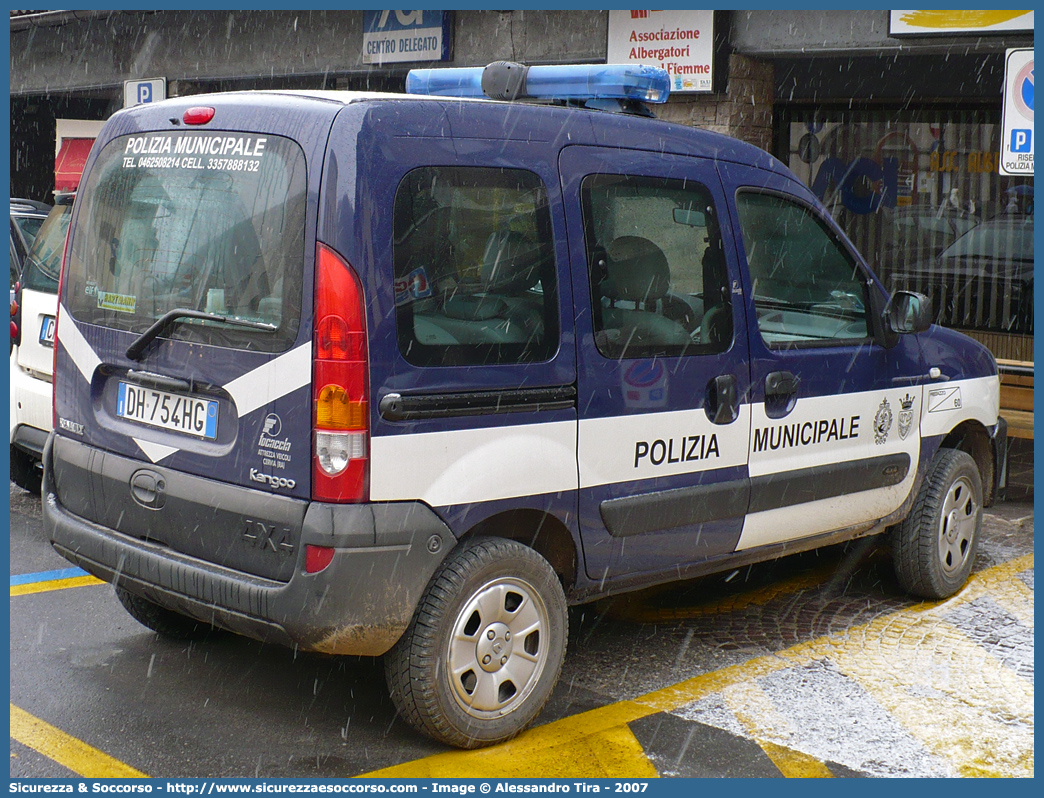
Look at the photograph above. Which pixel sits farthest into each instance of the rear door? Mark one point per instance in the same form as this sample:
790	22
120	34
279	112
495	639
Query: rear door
662	364
466	272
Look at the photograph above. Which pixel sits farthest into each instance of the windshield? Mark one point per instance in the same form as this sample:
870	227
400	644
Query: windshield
1003	238
193	221
44	260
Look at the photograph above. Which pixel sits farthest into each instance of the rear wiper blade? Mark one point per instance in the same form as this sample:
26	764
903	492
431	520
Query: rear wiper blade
170	318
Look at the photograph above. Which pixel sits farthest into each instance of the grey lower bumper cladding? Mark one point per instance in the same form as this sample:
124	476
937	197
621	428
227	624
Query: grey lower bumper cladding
359	604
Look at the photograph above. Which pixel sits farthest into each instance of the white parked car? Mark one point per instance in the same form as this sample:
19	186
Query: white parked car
32	356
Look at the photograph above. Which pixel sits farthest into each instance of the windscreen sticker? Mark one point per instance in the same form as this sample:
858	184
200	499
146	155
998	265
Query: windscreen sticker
118	302
220	153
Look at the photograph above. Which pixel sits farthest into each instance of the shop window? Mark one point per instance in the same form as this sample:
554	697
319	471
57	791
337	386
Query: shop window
919	194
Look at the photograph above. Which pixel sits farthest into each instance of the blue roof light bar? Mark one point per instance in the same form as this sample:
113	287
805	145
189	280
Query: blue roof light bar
508	81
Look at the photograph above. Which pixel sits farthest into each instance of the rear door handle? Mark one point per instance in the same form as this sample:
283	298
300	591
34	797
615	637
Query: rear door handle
722	402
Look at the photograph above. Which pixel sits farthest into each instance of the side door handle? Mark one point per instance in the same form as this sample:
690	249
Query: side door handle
722	402
780	393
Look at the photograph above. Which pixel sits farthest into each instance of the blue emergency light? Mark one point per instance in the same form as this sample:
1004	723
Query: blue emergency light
505	80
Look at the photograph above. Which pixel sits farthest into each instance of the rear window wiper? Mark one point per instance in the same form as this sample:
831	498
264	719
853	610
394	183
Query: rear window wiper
168	319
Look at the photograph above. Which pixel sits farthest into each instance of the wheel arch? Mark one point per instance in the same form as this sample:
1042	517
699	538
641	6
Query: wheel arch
974	439
541	531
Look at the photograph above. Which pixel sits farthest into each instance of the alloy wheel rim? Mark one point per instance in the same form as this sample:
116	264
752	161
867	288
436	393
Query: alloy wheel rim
957	522
498	648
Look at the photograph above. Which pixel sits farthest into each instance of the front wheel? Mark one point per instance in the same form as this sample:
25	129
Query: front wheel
934	548
484	648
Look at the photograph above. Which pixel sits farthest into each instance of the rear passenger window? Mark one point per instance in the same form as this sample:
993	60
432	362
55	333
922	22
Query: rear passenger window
808	289
659	283
474	267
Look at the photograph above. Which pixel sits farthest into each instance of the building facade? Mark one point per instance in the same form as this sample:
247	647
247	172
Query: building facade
894	118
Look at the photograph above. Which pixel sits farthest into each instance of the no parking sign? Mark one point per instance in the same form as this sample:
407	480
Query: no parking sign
1017	127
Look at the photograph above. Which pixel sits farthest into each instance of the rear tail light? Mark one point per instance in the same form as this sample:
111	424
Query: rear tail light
16	319
340	463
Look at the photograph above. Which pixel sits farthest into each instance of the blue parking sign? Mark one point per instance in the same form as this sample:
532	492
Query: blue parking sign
1022	141
141	92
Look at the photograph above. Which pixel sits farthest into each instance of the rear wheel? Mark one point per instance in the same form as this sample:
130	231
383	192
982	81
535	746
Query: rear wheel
484	648
25	470
164	622
933	550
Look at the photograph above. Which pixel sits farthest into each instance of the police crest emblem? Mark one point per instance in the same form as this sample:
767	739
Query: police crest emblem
905	416
882	422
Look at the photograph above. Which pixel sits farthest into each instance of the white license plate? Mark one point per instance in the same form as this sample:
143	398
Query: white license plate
47	331
175	412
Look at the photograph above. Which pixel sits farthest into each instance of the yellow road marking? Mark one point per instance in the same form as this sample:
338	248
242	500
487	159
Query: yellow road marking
66	750
794	764
554	745
54	584
947	691
594	744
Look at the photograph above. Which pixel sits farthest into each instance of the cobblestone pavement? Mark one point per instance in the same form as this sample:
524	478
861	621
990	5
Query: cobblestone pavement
817	665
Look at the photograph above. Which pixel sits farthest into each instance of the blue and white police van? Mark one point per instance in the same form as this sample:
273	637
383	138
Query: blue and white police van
408	375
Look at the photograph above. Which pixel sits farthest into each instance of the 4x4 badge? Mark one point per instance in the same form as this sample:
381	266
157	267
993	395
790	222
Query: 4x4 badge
882	422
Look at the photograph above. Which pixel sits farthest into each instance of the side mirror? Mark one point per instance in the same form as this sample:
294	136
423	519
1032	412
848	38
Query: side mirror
908	312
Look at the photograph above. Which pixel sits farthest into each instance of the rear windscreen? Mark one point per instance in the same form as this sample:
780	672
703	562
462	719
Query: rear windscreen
193	221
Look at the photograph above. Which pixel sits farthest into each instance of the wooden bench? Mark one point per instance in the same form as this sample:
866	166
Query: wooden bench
1016	397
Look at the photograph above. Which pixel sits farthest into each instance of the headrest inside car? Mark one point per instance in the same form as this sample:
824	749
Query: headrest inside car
637	270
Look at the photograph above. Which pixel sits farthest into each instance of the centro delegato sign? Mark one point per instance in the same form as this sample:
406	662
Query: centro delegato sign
682	42
401	36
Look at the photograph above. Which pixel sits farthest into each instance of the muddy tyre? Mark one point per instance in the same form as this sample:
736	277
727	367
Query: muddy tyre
933	550
164	622
484	648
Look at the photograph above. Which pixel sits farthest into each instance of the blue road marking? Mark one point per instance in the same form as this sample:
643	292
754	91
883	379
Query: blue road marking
47	576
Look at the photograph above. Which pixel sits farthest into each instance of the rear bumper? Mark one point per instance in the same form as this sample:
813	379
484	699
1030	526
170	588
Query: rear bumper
384	555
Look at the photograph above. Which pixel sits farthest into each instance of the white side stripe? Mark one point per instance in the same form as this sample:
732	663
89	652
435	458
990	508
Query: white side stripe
474	465
76	346
274	379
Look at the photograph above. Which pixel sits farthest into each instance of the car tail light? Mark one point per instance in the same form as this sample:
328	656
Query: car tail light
57	318
340	398
16	319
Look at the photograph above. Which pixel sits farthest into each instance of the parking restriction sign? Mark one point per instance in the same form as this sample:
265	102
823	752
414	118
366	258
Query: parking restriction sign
1017	127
